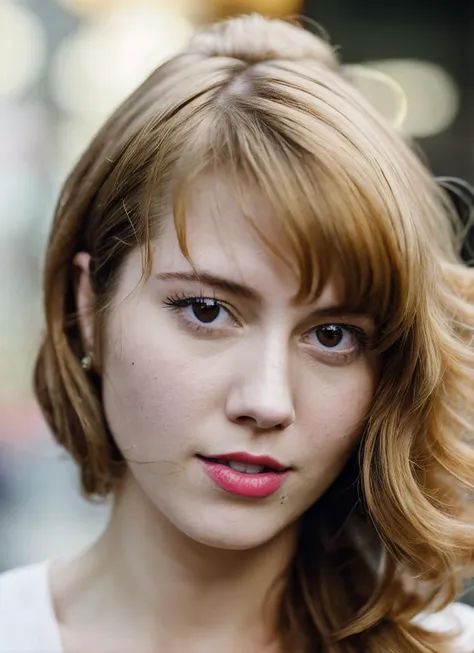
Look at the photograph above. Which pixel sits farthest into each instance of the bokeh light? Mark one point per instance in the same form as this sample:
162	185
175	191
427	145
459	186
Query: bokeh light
432	94
273	8
22	49
90	7
99	65
381	90
87	7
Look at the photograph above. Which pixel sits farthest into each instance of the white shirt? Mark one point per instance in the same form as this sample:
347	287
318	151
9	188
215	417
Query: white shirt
28	623
27	620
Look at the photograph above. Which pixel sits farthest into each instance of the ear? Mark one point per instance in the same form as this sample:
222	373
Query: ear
85	302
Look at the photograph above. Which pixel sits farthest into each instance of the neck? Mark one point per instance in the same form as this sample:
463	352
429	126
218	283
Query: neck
146	576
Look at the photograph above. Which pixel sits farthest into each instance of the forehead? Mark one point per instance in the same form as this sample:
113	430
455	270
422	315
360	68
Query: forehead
220	209
230	235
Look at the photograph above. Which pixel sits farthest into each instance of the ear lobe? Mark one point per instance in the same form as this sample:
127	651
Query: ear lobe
85	302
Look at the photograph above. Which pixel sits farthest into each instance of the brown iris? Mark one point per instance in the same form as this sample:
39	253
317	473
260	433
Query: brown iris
330	335
206	310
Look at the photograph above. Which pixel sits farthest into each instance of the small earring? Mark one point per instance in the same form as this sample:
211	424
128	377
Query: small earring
86	362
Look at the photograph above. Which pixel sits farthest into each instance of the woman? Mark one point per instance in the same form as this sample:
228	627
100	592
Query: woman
259	343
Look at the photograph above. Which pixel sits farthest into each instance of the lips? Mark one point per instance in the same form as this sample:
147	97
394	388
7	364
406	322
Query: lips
243	458
244	475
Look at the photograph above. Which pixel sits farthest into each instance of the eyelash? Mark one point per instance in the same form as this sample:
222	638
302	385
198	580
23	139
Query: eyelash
179	301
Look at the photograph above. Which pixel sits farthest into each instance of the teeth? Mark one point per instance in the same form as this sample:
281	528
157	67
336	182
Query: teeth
245	468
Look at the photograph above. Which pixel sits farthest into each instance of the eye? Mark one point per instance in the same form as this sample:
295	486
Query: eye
330	335
337	339
201	312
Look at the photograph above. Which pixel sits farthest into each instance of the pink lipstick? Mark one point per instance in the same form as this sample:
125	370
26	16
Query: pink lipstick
245	475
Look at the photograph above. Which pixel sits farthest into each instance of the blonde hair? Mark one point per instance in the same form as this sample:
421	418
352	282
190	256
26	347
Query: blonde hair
266	103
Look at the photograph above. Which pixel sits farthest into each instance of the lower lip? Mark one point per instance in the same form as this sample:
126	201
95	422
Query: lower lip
255	486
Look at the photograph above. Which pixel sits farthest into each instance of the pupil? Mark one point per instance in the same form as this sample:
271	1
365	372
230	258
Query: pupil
330	336
206	310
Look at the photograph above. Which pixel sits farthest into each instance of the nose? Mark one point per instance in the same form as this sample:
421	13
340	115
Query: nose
261	393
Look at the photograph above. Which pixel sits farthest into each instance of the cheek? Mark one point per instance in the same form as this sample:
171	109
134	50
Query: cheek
155	393
334	415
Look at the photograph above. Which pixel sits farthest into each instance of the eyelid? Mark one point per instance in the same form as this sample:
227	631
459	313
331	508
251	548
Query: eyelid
180	301
208	292
229	308
364	322
362	343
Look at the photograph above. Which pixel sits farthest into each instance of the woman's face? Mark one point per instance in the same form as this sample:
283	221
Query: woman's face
195	371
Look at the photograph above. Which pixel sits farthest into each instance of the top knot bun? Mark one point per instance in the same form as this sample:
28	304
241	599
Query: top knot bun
255	39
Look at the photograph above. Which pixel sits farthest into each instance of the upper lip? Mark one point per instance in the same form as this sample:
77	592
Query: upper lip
244	457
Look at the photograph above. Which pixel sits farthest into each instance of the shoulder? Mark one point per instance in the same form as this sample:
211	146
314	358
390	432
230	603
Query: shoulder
457	618
27	622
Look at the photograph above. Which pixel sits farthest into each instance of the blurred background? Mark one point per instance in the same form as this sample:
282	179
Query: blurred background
64	66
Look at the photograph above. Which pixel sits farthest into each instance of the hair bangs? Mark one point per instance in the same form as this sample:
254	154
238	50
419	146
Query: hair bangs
337	224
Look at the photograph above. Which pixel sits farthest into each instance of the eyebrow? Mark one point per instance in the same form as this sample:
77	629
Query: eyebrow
237	289
245	292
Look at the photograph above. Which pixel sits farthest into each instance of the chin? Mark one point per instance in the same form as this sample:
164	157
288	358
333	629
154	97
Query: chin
220	521
235	529
229	541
